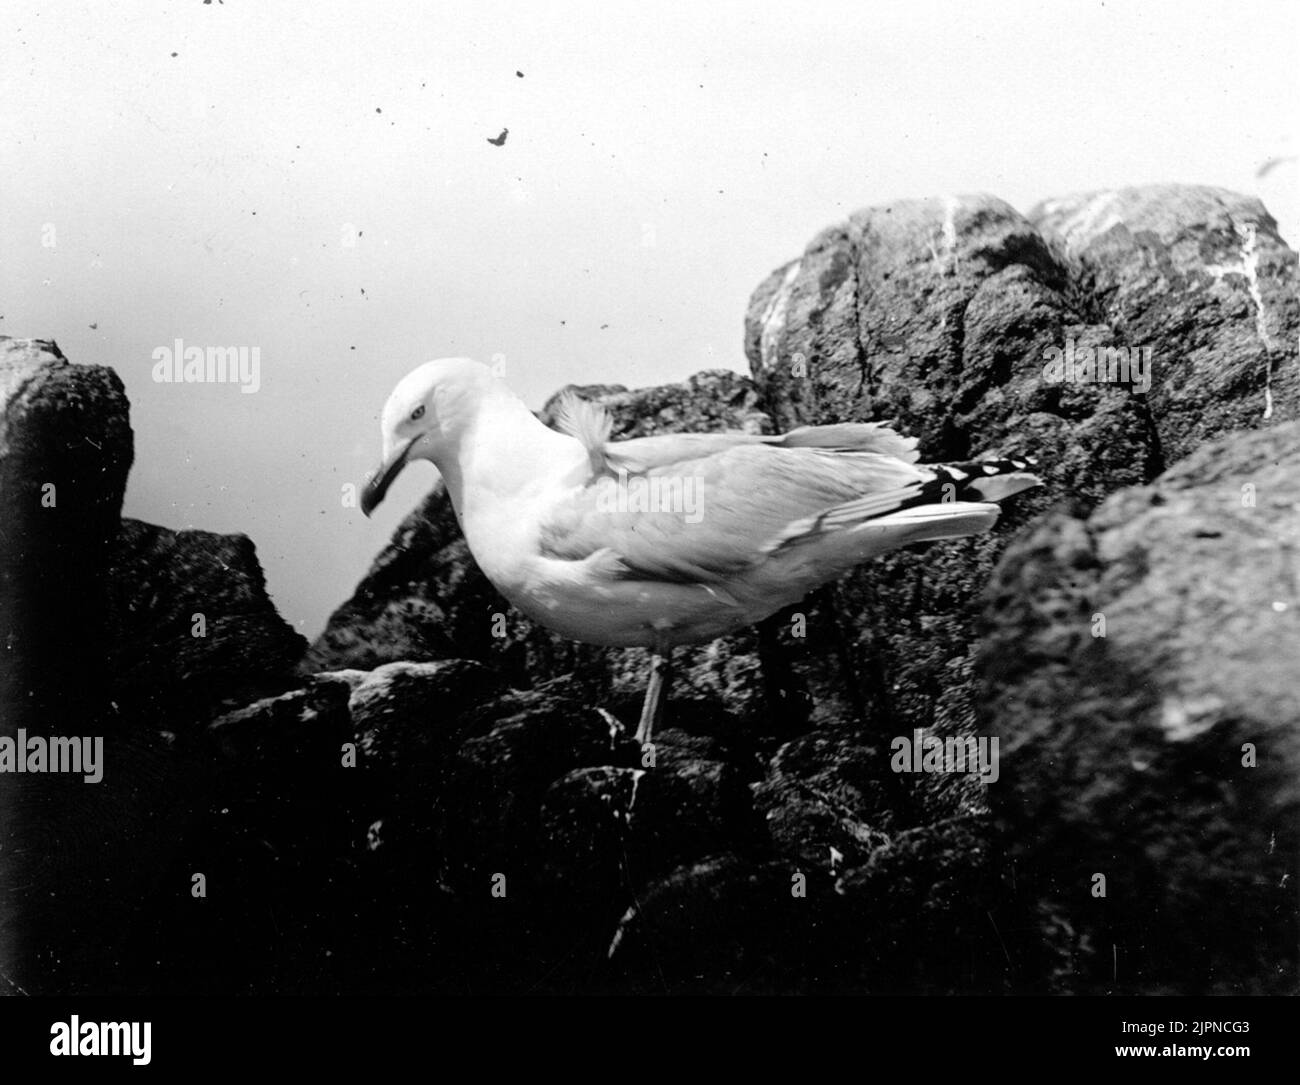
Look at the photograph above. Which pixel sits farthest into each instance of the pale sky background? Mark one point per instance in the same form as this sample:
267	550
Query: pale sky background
661	160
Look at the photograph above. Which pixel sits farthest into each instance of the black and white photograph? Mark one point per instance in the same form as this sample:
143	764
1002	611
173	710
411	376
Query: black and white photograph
622	501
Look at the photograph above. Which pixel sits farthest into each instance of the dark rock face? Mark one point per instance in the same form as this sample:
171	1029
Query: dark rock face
97	641
65	450
610	829
725	925
191	618
1163	754
828	793
939	315
95	607
1202	276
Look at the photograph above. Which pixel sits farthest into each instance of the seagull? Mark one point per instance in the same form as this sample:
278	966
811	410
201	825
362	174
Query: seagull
658	542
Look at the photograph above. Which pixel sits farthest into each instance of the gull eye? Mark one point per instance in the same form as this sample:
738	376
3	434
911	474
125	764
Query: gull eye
418	413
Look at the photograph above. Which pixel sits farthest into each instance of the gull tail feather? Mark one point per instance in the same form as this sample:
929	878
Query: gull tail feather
874	533
853	437
940	500
930	523
1000	487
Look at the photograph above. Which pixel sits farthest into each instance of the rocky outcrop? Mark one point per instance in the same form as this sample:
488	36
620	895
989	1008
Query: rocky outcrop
1201	275
110	629
1140	670
95	608
941	315
65	450
191	619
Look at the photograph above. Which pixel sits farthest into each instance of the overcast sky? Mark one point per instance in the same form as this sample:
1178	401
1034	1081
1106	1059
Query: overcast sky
315	180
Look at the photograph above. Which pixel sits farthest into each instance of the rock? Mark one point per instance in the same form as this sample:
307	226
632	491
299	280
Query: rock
584	832
403	724
874	321
1202	276
95	627
938	315
608	830
280	776
687	807
303	728
65	450
497	778
717	688
829	799
192	621
723	925
408	714
923	908
1126	755
348	678
712	401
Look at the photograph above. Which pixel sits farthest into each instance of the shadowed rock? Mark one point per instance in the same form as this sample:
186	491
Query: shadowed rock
1200	275
1140	670
940	314
724	925
608	830
65	450
192	619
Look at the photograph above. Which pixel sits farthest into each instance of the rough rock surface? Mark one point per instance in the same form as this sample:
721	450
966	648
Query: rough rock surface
65	450
1202	276
96	639
1141	672
939	315
191	618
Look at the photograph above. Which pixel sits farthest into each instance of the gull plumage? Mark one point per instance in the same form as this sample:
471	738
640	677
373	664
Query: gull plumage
596	540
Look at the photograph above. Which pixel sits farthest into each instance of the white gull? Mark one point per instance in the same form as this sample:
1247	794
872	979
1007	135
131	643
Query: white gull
662	541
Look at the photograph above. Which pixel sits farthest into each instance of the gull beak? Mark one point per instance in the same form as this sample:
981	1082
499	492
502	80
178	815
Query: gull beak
378	483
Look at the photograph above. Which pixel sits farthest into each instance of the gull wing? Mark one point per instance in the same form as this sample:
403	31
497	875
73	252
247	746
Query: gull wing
701	508
590	423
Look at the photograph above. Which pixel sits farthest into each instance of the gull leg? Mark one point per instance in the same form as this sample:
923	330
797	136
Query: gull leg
656	692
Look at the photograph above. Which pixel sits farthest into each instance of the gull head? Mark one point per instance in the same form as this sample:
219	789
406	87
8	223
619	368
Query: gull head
426	416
